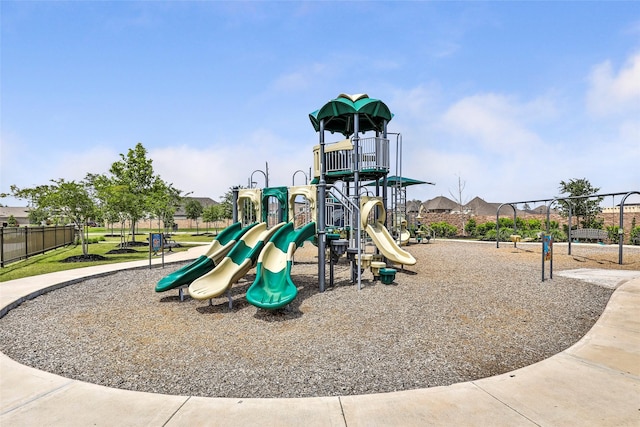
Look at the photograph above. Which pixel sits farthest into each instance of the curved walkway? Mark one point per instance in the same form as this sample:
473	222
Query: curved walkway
594	382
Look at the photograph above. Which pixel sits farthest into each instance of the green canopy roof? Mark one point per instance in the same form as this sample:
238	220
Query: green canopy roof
338	114
393	180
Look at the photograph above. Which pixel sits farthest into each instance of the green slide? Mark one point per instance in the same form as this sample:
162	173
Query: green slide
273	287
236	264
217	250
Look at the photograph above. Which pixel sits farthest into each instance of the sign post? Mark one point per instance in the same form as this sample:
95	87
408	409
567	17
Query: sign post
155	245
547	254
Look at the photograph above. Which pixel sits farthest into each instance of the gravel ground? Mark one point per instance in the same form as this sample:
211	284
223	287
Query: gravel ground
465	311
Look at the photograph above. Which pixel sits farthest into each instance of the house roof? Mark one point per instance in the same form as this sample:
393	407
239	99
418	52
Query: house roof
17	212
440	203
480	207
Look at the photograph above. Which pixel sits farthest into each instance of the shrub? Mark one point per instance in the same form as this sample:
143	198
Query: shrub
553	224
612	232
91	240
505	222
444	229
490	234
505	234
634	236
483	229
471	227
533	224
558	235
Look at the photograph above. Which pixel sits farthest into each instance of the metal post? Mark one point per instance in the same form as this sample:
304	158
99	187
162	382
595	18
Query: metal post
266	175
515	222
2	246
569	233
621	226
356	182
551	260
321	212
234	213
543	257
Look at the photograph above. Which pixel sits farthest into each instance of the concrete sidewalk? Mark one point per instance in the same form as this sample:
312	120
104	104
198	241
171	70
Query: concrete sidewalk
594	382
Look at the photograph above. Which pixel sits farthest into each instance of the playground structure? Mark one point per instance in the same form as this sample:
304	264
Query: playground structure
271	223
568	201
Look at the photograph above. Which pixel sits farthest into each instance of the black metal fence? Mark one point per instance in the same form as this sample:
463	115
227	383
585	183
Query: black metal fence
18	243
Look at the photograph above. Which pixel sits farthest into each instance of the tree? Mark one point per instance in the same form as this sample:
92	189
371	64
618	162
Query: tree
458	199
585	209
212	213
112	201
193	208
133	177
164	202
226	203
38	216
68	200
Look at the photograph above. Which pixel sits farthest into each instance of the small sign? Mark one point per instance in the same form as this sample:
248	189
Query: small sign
547	246
547	254
156	245
156	242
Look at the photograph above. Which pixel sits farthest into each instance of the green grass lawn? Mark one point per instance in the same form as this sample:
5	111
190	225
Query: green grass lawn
52	261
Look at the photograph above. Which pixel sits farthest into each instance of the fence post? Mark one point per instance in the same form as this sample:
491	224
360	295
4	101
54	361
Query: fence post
2	246
26	243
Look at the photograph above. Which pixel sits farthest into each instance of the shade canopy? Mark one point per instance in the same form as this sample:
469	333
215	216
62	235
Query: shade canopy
393	181
338	114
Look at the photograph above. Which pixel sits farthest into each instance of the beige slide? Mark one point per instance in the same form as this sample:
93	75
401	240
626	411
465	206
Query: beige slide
380	235
235	265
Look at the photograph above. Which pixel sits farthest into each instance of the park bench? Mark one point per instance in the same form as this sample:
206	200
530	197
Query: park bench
168	242
589	234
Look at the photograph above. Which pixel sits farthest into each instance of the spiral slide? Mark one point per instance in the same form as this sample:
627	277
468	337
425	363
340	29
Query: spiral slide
381	236
219	247
238	261
273	287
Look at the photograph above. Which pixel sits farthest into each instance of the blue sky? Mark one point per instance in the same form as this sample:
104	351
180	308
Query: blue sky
510	97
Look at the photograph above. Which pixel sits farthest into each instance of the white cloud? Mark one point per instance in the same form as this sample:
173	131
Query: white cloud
612	92
495	121
415	103
444	49
300	79
75	165
210	172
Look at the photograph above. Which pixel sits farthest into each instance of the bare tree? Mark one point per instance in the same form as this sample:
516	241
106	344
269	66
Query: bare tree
461	202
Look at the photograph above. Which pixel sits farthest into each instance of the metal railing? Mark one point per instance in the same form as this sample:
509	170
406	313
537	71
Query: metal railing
374	156
18	243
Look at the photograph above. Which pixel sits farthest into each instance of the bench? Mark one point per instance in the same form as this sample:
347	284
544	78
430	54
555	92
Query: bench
168	242
589	234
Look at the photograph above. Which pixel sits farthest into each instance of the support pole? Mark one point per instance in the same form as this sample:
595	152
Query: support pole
356	181
621	226
322	198
235	204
